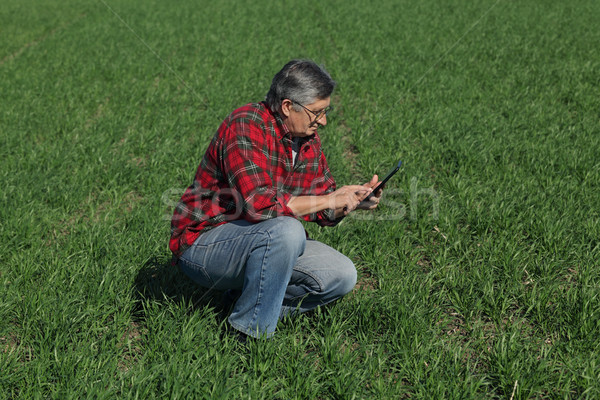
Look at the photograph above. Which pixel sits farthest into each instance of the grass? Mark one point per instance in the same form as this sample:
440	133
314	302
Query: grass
479	275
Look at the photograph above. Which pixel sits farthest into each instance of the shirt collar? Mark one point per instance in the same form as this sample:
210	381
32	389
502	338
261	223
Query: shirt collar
283	129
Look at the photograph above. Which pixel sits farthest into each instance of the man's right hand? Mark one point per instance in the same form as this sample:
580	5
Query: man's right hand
347	198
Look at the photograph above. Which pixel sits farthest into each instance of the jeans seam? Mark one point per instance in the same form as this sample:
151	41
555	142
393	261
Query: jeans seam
253	320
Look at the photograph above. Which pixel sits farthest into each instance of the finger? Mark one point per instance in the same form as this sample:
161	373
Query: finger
361	196
374	180
356	188
372	201
372	183
371	205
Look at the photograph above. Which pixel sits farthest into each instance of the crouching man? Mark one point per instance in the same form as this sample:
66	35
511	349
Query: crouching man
237	226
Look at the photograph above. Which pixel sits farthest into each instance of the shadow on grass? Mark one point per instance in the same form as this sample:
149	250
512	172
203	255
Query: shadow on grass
160	281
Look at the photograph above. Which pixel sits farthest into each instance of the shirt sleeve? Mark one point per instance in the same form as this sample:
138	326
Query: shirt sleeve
327	185
249	159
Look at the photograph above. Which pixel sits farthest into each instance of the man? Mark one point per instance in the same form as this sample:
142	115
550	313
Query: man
236	227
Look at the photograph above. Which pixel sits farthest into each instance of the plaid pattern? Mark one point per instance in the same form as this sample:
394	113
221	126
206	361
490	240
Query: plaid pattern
248	173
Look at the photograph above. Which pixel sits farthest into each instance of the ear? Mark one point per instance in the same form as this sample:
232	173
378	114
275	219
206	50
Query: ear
286	107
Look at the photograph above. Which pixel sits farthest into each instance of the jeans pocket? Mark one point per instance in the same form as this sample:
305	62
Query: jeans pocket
194	267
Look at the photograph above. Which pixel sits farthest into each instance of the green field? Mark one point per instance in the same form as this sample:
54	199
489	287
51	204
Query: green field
478	276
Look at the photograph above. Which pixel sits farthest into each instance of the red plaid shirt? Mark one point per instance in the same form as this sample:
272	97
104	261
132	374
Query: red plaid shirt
248	173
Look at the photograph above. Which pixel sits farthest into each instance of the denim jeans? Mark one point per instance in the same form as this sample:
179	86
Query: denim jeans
276	268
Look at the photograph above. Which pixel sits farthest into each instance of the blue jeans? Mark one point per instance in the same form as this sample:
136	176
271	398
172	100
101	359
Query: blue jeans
276	268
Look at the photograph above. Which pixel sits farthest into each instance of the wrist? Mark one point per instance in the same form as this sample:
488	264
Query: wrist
329	201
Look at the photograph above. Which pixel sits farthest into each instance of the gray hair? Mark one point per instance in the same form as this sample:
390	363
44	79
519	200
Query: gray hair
301	81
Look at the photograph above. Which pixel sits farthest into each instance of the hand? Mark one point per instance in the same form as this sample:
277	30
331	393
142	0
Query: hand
347	198
373	202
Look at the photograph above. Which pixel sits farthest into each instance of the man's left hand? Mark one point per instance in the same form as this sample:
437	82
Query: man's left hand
374	200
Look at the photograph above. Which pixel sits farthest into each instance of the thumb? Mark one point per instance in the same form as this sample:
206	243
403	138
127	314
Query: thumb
374	180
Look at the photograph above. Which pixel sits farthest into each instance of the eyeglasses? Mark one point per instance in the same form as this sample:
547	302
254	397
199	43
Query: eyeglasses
319	114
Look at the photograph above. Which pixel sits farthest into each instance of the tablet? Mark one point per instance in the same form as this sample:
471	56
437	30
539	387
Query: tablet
383	182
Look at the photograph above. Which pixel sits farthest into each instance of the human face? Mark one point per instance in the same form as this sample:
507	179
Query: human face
317	114
304	122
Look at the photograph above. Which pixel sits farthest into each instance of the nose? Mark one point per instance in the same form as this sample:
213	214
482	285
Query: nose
322	120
